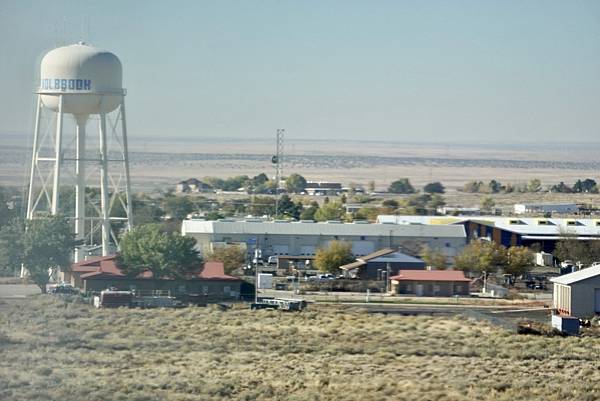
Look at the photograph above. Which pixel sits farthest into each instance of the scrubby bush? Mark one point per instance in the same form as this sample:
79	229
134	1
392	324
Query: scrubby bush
324	353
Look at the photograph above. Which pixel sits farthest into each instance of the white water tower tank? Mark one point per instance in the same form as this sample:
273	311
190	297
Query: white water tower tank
92	77
81	80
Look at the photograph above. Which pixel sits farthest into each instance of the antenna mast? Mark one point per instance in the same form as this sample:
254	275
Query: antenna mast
278	161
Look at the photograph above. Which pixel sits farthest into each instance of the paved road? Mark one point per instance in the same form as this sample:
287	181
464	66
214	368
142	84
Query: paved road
18	290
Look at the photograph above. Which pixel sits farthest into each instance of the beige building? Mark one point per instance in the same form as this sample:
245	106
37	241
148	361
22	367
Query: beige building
430	283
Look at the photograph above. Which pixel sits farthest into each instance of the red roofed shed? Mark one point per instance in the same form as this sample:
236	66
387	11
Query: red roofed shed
438	283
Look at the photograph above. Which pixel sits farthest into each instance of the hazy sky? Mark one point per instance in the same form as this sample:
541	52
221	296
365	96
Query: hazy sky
420	70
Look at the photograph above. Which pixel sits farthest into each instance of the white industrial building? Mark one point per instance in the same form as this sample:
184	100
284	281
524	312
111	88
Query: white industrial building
562	208
511	231
304	238
578	293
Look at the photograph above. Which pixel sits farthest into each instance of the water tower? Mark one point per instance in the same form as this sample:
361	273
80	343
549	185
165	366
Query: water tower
81	85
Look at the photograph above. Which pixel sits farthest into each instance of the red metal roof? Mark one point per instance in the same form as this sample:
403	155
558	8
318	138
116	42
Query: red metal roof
93	261
215	271
430	275
83	269
106	266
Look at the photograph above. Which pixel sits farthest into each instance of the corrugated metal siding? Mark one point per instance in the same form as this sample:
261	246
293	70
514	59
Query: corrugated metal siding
243	227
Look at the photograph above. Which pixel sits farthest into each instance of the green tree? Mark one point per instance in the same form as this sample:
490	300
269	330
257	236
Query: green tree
487	203
217	183
178	207
235	183
434	258
233	257
436	201
330	211
146	210
561	187
401	186
260	179
165	254
534	185
570	248
519	260
472	187
47	244
11	247
213	216
259	184
494	187
368	213
287	208
390	203
7	206
295	183
309	212
587	185
481	257
262	206
416	204
434	188
336	254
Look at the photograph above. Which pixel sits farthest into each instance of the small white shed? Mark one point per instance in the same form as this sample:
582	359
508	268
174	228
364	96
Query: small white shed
578	293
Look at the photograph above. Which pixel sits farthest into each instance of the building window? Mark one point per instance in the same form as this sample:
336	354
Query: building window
362	237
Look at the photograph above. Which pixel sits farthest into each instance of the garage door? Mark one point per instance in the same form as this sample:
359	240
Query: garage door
597	298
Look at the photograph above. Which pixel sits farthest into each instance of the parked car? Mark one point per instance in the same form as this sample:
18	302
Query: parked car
64	289
536	286
273	260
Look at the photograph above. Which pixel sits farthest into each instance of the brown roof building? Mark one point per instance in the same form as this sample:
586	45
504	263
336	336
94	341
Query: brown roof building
436	283
99	273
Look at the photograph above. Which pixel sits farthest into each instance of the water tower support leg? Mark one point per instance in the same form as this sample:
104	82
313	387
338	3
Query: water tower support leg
104	187
126	167
57	157
80	185
34	156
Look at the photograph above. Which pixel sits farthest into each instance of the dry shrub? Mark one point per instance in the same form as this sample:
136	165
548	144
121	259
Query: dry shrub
69	351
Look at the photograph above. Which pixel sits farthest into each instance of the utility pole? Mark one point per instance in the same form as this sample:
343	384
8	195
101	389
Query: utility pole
277	160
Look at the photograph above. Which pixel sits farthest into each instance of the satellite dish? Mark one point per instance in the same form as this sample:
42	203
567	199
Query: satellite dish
274	159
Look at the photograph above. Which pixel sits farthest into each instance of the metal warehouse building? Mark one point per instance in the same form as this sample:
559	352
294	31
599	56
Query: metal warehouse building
512	231
304	238
578	293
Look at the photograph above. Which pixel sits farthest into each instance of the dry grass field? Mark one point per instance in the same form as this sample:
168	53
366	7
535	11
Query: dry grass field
52	349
